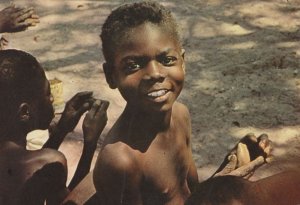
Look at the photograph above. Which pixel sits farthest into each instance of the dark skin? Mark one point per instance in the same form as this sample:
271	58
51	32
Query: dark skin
16	19
3	42
146	157
282	188
31	177
152	130
249	153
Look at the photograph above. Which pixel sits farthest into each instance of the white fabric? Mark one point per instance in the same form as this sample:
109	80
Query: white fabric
36	139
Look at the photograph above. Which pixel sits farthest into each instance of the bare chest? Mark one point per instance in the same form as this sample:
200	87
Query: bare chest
165	171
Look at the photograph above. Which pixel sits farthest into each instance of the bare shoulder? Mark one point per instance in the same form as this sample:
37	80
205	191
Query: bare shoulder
117	171
118	157
39	170
181	117
180	110
114	162
49	155
18	154
38	164
48	151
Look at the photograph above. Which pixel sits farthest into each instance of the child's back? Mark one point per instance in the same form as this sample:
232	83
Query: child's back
21	172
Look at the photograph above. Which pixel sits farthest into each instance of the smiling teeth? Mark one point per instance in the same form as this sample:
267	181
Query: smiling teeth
157	93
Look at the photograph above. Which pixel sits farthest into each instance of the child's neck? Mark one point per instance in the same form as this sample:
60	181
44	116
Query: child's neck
14	134
156	121
21	141
143	127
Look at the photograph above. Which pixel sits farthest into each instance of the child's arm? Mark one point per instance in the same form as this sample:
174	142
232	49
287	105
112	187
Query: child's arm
83	193
192	177
93	125
117	176
15	19
73	111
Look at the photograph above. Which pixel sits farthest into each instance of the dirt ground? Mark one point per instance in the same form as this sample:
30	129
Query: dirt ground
243	70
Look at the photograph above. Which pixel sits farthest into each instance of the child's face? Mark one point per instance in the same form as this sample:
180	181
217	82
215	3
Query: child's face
44	109
148	68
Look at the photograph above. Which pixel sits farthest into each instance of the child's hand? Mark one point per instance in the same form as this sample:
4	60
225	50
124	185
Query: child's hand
15	19
246	156
74	109
94	122
3	42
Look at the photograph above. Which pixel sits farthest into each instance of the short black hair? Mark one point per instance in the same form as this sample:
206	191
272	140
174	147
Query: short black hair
21	80
128	16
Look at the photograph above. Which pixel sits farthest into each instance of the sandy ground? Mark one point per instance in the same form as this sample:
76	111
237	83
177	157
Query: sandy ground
243	64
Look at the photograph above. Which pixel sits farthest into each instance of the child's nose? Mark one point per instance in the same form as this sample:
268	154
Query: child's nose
154	71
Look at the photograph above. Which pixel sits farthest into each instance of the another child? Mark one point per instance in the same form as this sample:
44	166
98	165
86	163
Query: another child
146	157
31	177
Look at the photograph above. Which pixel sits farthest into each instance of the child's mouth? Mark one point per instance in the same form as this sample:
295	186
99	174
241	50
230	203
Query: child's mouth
158	95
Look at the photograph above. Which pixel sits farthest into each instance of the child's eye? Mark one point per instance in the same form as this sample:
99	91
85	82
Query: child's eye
132	66
168	60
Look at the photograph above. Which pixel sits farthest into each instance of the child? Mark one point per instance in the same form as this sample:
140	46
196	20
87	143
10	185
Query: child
31	177
146	157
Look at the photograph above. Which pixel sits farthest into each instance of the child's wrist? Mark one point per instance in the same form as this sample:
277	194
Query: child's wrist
90	145
60	128
1	28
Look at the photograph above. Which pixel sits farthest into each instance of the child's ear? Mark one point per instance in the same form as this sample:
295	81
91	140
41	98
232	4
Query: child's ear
183	61
108	71
23	112
182	53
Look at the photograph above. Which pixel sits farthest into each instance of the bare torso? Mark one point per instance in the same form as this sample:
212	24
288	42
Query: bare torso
159	167
23	172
